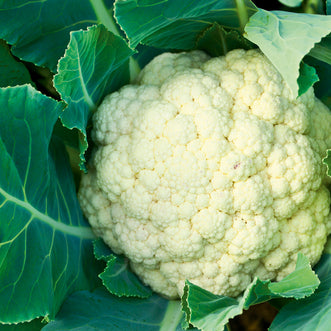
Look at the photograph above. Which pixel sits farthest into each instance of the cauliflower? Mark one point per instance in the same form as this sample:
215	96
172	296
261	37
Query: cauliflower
209	169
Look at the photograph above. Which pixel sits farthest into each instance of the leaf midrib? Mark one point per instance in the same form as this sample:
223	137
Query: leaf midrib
81	232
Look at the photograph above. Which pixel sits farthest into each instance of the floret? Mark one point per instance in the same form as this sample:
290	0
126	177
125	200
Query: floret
208	169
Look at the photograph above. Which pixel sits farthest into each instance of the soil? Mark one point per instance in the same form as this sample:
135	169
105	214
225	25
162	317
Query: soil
256	318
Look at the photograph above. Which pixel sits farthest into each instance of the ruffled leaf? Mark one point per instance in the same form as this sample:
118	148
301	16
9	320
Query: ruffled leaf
307	78
312	313
117	276
327	161
285	38
210	312
95	64
217	41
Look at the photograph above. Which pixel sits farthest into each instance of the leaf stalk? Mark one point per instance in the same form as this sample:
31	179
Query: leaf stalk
106	17
242	13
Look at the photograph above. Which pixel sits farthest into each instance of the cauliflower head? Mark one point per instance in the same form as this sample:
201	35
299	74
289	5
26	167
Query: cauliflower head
208	169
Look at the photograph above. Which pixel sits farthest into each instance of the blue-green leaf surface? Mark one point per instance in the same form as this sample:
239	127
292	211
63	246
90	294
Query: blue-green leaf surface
173	24
211	312
291	3
45	244
312	313
117	276
39	29
99	310
12	72
95	64
145	54
286	37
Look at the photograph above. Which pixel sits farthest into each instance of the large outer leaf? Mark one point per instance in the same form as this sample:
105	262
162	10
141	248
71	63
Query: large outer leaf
12	72
211	312
45	248
285	38
95	64
39	29
100	310
173	24
312	313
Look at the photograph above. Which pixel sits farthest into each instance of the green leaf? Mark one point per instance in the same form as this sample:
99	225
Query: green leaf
12	72
328	7
291	3
146	54
285	38
327	161
307	78
102	251
100	310
45	244
312	313
68	137
300	283
217	41
327	248
314	7
322	50
95	64
119	280
34	325
208	311
39	30
173	24
322	88
117	277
